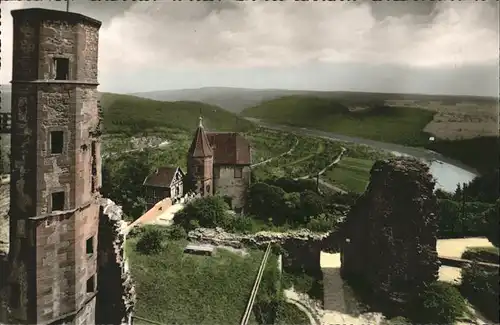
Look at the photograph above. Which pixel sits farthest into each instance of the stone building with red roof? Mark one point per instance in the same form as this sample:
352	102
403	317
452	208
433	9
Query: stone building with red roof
219	163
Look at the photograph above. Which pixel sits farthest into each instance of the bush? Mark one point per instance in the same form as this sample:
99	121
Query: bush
238	223
150	241
439	303
176	232
481	287
461	220
321	223
203	212
482	254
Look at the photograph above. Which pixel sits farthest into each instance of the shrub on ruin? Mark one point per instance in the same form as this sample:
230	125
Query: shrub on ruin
439	303
480	286
150	242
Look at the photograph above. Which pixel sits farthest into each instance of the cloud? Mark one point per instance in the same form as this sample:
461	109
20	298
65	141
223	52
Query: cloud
175	35
256	34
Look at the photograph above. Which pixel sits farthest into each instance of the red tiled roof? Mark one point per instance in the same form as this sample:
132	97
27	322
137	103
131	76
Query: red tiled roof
229	148
162	177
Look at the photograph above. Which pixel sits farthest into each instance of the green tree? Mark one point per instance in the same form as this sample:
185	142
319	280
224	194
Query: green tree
492	219
203	212
265	201
122	181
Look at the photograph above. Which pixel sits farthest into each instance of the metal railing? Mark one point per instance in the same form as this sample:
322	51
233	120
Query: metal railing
255	289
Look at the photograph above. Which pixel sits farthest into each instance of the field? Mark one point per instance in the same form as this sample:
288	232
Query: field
176	288
351	174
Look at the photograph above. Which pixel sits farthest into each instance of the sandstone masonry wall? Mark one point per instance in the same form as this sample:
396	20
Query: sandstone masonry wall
116	293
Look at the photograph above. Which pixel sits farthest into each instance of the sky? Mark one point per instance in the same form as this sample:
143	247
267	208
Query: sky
434	47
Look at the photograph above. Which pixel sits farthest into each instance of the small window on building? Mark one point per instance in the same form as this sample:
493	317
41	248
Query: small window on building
90	246
15	295
238	172
61	67
198	170
207	188
216	172
58	201
91	284
56	142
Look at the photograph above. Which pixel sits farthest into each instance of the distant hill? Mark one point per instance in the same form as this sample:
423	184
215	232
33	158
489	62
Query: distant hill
125	113
370	119
230	99
237	99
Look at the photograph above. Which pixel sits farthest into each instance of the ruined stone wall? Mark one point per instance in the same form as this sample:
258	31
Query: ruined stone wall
236	188
300	249
116	297
391	233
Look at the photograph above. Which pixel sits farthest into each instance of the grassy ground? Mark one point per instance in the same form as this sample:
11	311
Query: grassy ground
384	123
351	174
290	314
175	288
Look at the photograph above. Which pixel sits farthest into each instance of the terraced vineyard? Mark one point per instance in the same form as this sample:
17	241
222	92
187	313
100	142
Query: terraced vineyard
309	157
267	144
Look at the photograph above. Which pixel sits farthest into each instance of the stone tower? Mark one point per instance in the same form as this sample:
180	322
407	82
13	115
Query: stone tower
55	168
200	163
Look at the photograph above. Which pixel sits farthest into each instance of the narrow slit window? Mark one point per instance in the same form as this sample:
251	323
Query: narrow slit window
61	67
238	172
56	142
58	201
91	284
90	246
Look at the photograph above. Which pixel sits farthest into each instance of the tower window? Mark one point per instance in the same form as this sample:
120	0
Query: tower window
90	246
58	201
56	142
91	284
61	67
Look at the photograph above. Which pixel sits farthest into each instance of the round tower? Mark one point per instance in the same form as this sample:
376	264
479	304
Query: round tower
55	168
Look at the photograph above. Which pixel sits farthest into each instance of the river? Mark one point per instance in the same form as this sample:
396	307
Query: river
447	172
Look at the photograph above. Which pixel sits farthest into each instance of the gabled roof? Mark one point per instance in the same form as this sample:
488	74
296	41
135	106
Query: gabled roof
230	148
200	147
162	177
